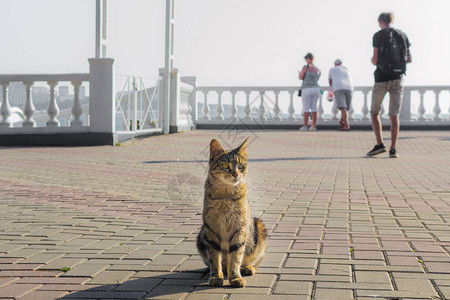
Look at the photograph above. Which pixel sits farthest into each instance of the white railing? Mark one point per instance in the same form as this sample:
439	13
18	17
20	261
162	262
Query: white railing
137	107
53	111
280	105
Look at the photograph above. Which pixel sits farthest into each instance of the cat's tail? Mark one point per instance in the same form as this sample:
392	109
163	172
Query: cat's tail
260	231
260	243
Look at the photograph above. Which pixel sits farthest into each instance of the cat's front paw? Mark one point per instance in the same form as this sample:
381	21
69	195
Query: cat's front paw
216	281
237	282
248	270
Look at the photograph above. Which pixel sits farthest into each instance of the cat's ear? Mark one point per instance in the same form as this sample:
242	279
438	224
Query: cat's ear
215	149
242	149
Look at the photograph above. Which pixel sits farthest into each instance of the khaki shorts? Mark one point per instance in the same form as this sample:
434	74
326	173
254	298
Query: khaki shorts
343	98
395	89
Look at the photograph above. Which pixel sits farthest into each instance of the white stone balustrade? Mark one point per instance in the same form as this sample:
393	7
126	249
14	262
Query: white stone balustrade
263	105
52	110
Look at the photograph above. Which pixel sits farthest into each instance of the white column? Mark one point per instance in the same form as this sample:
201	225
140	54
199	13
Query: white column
219	108
53	109
205	108
351	112
233	106
382	111
5	108
77	110
168	62
334	110
134	99
29	109
320	108
276	108
421	109
102	95
365	108
291	109
174	101
247	109
101	22
436	108
405	112
261	109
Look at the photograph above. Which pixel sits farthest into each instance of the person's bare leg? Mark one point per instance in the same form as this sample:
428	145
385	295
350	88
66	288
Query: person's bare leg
395	128
377	129
305	119
344	118
314	119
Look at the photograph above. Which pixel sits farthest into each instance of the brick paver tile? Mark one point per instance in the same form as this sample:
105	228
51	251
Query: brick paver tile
18	290
86	270
262	297
293	288
43	295
111	277
372	277
333	269
335	294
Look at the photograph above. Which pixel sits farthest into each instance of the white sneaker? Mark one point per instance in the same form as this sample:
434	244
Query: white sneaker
313	128
304	128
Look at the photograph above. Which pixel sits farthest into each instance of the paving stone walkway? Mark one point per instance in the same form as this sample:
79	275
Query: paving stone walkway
121	222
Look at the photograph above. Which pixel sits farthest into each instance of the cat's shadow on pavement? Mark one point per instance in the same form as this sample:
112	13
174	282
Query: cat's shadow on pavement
175	284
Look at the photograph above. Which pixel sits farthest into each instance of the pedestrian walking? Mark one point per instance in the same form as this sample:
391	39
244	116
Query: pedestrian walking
341	83
390	55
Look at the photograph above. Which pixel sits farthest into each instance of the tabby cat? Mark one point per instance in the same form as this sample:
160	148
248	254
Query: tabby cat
230	240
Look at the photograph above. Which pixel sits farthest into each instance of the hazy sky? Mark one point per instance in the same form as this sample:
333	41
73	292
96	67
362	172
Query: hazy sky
224	42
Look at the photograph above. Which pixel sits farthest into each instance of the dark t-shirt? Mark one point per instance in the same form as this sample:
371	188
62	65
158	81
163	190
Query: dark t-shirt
377	42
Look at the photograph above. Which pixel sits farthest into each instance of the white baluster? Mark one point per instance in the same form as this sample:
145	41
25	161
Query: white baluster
351	111
219	108
449	112
233	106
335	111
5	108
190	114
382	111
320	109
365	109
29	108
421	109
247	106
77	110
291	109
261	109
205	108
276	108
53	109
436	108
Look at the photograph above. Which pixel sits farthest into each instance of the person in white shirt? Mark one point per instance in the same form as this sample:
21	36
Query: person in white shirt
340	80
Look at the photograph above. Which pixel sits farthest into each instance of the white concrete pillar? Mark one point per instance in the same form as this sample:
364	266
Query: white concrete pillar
174	99
102	95
101	22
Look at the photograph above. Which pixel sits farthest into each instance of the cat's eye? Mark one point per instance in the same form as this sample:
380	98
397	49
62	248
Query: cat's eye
241	166
225	166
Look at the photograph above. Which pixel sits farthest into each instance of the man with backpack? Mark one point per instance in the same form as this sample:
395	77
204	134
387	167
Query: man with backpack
390	55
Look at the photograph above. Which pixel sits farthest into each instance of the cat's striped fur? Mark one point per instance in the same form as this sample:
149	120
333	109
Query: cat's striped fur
230	240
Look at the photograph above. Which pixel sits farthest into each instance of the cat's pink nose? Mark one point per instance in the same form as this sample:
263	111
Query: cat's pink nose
235	175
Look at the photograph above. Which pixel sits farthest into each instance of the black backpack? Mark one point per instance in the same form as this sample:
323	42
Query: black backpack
393	53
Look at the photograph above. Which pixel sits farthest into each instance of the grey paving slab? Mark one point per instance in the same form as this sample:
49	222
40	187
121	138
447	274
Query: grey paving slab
341	226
